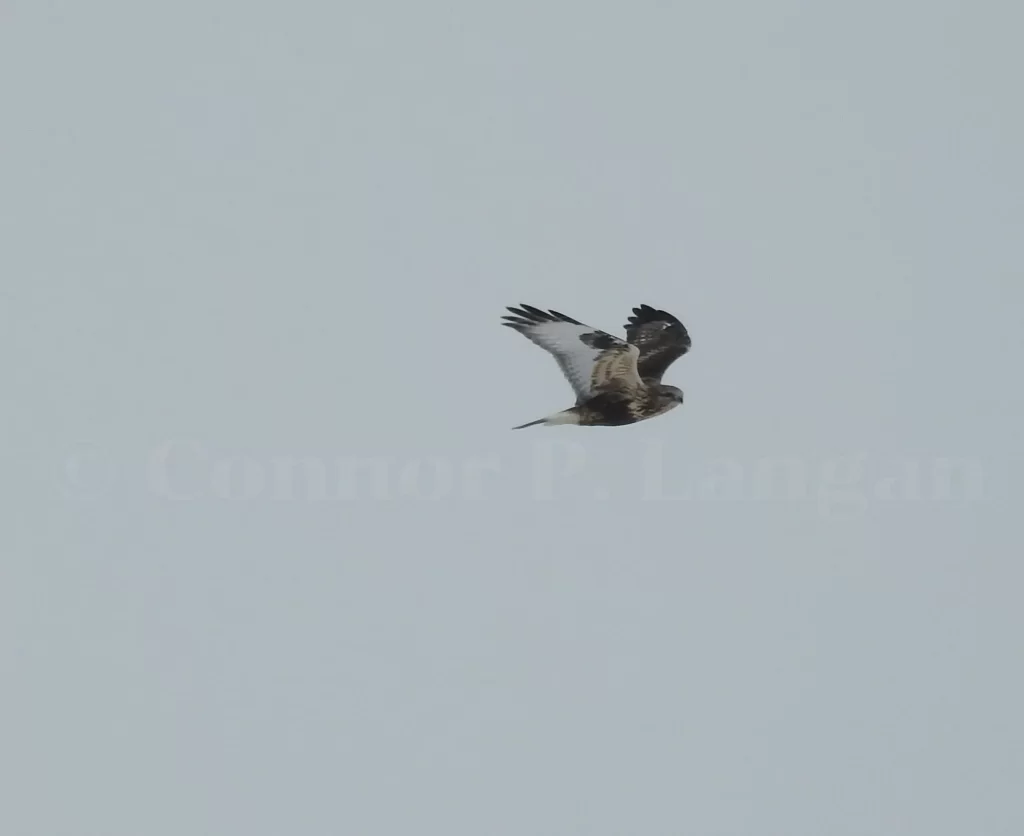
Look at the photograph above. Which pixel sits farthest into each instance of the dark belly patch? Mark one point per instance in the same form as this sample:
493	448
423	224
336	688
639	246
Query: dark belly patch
607	410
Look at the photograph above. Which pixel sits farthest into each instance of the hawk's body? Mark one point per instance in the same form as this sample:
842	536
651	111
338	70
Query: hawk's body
616	381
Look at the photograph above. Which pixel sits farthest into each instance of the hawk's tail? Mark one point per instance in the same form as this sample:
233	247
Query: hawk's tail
567	416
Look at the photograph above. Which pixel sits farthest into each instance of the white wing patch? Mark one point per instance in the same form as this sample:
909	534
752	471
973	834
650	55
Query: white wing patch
590	359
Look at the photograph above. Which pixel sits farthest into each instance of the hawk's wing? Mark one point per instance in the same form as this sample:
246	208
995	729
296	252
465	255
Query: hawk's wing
590	359
661	338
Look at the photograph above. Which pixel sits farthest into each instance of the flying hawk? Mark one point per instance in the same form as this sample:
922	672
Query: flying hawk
616	381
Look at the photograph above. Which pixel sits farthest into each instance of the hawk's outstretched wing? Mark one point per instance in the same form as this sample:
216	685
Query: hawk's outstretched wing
592	360
661	338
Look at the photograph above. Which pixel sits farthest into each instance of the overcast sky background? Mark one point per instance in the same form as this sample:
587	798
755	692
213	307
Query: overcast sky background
238	232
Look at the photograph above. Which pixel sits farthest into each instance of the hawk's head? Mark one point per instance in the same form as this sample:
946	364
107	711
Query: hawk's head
670	395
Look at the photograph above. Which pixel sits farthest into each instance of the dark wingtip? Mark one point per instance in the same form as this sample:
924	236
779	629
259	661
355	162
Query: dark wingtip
528	314
645	313
519	317
537	312
564	318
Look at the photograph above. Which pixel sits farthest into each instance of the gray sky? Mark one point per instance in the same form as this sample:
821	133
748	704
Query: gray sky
275	563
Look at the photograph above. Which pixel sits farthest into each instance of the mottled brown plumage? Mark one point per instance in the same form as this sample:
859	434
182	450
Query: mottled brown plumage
616	381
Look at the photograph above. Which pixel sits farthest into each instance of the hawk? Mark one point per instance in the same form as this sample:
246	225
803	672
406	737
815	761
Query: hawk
616	381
